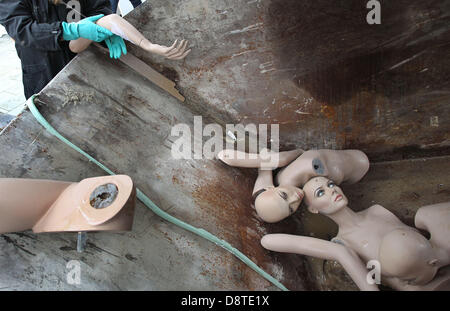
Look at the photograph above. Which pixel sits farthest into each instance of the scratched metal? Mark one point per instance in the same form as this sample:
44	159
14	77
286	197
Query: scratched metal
315	67
329	79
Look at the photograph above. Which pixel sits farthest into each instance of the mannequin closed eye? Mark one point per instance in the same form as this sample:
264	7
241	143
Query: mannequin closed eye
275	204
283	195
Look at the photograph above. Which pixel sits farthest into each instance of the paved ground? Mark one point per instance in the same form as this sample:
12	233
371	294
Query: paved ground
11	88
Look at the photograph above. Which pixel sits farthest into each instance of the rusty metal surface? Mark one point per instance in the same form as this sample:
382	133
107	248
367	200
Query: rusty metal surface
155	255
126	123
315	67
330	81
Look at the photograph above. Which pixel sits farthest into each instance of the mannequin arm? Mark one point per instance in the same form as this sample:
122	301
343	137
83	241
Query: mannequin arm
124	29
318	248
253	160
264	180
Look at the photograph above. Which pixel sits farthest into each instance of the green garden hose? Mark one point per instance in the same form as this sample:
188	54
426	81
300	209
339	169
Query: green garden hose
146	200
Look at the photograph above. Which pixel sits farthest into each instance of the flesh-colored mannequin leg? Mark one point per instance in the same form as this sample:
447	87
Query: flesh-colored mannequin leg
24	201
94	204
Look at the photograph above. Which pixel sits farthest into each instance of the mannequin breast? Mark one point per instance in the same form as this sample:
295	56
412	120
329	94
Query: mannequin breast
406	254
366	237
402	251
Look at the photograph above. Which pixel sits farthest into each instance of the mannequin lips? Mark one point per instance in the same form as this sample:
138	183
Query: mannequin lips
299	195
338	198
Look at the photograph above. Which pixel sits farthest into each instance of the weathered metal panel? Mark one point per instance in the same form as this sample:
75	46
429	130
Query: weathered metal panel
155	255
315	67
329	79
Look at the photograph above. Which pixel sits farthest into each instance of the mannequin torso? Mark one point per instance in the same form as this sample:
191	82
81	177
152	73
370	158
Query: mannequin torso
408	260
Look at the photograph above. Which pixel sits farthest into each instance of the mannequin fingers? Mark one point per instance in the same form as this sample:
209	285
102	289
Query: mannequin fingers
174	55
175	49
183	55
179	51
168	49
180	57
172	47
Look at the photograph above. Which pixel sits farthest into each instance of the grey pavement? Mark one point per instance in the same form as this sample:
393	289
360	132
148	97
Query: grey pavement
12	98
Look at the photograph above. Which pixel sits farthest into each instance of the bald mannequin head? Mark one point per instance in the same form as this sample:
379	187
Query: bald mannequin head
277	203
323	196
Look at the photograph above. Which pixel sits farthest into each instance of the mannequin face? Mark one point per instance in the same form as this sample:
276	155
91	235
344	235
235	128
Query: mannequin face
277	203
323	196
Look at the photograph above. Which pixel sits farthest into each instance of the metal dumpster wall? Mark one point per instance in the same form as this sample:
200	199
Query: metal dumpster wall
381	88
315	67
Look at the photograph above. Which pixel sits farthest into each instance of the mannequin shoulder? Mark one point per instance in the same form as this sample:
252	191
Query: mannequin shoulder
380	211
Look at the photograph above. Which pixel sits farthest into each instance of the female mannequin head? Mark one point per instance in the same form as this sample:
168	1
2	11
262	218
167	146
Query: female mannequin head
277	203
323	196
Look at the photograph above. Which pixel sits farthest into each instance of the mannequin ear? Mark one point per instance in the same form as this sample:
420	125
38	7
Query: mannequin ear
313	210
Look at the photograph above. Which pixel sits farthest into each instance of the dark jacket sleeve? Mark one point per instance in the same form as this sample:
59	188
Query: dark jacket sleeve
95	7
17	17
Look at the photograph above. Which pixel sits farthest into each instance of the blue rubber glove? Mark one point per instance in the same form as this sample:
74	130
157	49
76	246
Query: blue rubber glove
86	28
116	46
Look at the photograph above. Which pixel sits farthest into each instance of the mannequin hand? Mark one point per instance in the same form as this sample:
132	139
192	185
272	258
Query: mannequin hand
86	28
176	51
116	46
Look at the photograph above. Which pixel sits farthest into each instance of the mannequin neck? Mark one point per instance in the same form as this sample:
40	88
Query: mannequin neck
345	218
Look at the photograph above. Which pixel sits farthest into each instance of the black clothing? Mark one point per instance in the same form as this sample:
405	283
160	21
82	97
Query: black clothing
35	25
115	3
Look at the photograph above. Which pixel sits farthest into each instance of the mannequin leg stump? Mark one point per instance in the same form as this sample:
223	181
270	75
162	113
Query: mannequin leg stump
94	204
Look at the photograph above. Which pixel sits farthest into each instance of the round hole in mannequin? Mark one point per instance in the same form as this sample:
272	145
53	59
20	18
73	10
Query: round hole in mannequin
103	196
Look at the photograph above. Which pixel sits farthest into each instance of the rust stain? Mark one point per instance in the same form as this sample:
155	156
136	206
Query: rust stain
227	205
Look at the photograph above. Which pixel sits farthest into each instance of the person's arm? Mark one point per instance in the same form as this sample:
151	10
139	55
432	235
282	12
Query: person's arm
125	30
90	8
17	18
262	160
286	243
